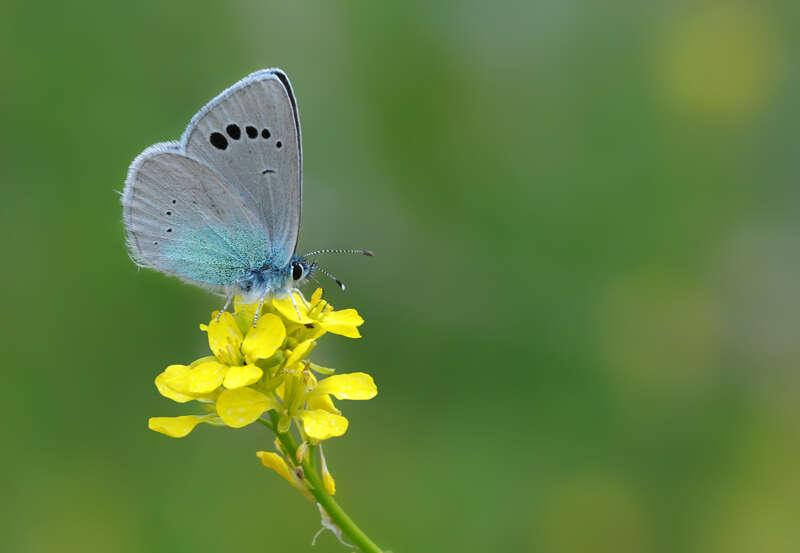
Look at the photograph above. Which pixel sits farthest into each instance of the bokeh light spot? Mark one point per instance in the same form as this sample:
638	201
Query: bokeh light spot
720	61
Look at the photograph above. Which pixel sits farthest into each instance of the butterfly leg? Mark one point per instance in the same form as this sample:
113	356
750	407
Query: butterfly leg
293	290
258	310
224	307
294	303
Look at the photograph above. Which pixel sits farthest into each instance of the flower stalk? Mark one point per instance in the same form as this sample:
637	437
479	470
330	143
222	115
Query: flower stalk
315	485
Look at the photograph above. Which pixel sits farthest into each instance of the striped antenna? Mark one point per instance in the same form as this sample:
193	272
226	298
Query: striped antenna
360	252
330	276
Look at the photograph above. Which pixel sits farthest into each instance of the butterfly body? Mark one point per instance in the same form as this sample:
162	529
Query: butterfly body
269	278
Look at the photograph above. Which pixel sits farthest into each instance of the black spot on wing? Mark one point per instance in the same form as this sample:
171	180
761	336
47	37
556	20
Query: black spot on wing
234	131
218	140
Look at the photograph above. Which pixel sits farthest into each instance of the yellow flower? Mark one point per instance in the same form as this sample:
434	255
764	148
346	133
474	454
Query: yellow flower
255	369
309	401
344	322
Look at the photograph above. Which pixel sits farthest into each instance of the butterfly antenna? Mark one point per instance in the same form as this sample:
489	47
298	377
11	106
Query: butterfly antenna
311	270
311	277
360	252
330	276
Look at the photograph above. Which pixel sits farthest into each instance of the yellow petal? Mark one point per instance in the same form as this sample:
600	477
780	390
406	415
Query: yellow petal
264	340
174	378
175	383
205	378
324	402
276	463
236	377
316	296
240	407
347	386
299	352
205	359
346	317
343	322
225	339
322	425
175	427
286	308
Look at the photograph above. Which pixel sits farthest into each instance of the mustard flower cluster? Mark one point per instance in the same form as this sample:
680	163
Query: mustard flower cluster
260	367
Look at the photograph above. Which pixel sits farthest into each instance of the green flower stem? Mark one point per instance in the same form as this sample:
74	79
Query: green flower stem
317	489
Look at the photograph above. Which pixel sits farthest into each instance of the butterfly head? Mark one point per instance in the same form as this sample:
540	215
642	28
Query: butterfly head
299	269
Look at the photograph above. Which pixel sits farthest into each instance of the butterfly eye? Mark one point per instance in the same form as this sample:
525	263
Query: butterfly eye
297	271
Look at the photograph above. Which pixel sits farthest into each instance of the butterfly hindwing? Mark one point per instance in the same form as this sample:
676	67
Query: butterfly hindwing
183	220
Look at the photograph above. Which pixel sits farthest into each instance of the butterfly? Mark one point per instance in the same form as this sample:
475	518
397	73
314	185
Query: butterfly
220	208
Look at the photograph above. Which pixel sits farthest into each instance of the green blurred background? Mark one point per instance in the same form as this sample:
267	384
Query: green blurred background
582	315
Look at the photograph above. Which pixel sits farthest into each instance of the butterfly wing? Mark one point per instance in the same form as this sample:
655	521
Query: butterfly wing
227	197
183	220
249	136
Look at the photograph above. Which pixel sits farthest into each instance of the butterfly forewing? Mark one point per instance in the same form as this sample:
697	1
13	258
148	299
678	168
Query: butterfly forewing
250	136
